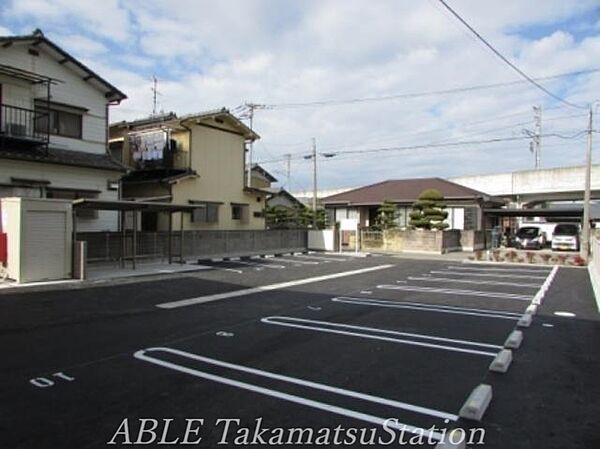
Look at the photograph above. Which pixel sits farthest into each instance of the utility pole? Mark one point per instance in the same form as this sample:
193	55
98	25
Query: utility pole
314	201
585	234
535	145
250	115
251	148
537	136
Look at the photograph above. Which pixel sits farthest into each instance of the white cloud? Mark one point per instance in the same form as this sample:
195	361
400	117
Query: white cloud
210	54
80	46
105	18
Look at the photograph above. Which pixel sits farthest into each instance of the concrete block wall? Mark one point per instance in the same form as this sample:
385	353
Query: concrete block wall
104	246
397	241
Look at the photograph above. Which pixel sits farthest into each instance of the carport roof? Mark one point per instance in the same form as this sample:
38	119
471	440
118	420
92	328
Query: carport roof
554	212
123	205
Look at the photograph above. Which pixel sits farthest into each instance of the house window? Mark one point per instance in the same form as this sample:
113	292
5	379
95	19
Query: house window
341	214
62	123
470	219
352	213
236	212
239	212
208	213
402	217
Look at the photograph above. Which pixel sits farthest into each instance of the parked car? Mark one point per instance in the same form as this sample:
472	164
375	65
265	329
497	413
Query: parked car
530	237
566	237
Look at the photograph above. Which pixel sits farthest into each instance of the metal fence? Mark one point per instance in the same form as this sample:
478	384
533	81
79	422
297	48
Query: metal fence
111	246
376	236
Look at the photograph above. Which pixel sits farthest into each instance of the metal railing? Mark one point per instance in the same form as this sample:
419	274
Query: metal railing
372	236
23	124
168	160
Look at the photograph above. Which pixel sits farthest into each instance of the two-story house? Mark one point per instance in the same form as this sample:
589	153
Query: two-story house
54	128
197	159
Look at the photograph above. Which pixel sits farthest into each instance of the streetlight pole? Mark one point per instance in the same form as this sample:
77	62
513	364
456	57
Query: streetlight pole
585	234
314	200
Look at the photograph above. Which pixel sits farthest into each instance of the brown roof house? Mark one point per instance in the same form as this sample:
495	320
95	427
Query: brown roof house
464	204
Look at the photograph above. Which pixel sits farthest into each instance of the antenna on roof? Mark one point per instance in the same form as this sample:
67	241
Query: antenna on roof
155	93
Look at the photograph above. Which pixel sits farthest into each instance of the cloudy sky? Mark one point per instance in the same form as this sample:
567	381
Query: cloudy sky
285	54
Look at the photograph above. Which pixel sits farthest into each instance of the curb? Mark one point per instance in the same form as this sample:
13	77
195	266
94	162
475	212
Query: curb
250	257
512	264
595	282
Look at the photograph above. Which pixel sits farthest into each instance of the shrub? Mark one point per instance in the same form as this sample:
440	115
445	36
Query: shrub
511	255
428	211
386	215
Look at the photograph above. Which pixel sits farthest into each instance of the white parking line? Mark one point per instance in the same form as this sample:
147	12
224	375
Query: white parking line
142	355
505	270
512	276
302	262
428	307
264	288
265	265
452	291
325	259
301	323
470	281
215	267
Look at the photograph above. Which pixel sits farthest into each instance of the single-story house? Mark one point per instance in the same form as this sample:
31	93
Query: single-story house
464	205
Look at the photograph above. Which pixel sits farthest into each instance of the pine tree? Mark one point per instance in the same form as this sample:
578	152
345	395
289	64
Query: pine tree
387	214
428	211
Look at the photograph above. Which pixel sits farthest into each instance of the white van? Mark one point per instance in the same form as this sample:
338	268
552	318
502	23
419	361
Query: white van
566	237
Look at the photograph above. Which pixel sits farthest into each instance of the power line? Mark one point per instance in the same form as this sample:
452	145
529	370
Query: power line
510	64
434	145
419	94
469	134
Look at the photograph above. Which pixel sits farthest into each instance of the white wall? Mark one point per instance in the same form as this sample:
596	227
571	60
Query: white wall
321	240
568	179
61	176
72	90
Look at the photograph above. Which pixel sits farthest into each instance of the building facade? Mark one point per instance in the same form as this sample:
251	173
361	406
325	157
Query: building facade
54	126
199	160
464	205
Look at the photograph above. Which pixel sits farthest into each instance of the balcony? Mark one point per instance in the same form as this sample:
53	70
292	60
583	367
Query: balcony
21	128
164	159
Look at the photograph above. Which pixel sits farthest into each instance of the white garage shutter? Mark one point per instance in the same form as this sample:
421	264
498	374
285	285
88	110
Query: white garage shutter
44	245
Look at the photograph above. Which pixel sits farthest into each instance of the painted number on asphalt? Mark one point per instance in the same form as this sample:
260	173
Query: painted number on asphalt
45	382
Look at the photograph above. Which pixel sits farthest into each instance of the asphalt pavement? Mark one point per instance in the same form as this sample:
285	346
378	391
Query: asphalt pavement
302	342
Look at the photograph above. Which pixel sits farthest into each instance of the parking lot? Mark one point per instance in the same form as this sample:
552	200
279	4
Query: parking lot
307	341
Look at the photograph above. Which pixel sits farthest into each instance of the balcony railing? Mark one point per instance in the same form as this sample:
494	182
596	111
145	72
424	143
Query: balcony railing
23	125
165	160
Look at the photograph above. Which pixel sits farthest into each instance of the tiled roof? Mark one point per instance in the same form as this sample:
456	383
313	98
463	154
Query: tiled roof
63	157
402	191
38	38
